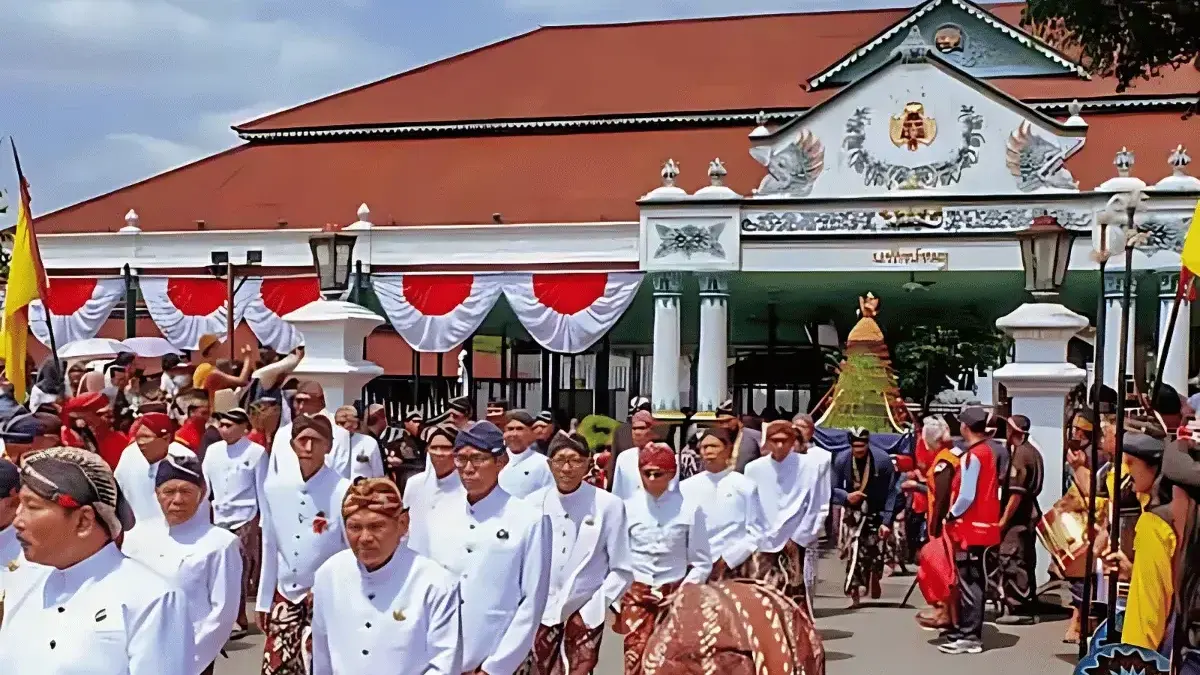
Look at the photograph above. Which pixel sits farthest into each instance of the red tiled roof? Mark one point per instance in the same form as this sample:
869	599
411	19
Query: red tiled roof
579	177
692	65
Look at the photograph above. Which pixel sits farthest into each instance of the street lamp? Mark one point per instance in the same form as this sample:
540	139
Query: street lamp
1045	254
332	254
223	266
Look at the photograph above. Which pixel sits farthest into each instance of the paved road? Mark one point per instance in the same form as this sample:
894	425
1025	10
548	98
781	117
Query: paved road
876	638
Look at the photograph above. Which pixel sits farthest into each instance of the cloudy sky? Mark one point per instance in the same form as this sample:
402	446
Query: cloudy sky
101	93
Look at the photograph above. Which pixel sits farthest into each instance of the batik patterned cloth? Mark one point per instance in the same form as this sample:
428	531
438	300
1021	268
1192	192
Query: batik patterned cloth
250	536
733	628
287	649
569	648
642	608
861	549
783	571
723	572
812	559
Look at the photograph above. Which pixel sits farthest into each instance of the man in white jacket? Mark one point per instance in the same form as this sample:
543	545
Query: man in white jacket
310	400
590	564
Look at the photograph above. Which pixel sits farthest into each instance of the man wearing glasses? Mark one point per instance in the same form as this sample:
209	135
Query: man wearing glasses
498	547
668	542
590	566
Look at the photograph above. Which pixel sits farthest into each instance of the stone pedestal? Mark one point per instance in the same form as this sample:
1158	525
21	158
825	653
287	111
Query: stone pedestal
334	334
1038	382
664	387
713	365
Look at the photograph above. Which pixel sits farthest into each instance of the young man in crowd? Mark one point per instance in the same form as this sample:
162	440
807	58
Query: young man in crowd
590	566
135	473
235	468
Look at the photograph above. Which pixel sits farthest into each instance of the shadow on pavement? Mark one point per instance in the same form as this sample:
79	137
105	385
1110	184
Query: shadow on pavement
836	656
830	634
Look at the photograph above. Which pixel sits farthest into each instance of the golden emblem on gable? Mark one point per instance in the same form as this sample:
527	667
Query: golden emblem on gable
912	128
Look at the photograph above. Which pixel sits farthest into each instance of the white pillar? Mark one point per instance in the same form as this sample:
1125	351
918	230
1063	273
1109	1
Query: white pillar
664	388
1114	284
1038	382
1175	370
334	336
713	367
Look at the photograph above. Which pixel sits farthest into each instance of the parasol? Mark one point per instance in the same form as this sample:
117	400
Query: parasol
151	347
92	349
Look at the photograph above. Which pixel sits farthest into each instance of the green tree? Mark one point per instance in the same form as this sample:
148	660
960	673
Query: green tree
1119	38
929	358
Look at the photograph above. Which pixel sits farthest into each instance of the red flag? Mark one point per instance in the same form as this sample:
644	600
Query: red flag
1187	285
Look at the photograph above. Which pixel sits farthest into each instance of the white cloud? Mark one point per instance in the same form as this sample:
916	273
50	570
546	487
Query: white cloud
169	77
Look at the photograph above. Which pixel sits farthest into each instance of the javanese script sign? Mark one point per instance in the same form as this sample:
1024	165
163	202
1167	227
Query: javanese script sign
912	256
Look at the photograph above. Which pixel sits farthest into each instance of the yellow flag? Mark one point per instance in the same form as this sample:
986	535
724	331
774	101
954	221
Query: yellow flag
26	283
1191	245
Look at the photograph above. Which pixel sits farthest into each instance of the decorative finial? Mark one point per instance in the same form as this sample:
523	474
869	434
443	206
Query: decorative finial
1074	108
717	172
670	172
761	118
1179	161
131	223
1124	162
364	220
364	213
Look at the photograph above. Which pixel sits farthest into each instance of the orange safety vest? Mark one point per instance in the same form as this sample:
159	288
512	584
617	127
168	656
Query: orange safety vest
950	458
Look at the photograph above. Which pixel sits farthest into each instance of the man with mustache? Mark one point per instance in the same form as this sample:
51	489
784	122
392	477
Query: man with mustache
83	607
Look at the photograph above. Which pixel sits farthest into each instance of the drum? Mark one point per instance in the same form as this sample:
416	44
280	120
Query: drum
1064	534
1120	659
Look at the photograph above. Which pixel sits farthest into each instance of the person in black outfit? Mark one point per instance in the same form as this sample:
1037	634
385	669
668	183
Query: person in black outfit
1018	558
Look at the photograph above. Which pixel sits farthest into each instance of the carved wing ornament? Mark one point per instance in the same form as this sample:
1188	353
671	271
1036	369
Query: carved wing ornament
793	169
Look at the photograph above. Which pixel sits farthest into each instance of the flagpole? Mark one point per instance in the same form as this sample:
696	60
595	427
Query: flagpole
1166	343
23	189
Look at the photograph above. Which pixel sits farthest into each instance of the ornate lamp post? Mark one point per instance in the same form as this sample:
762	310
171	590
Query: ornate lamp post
1045	255
1039	377
333	258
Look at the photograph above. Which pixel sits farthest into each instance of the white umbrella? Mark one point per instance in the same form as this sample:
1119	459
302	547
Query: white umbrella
92	348
150	347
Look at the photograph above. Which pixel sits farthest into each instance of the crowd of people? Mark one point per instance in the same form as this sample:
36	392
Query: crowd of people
139	517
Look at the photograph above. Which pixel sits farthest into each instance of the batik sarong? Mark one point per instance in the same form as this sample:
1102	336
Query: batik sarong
569	648
287	649
642	608
723	572
783	571
861	550
812	559
733	628
250	537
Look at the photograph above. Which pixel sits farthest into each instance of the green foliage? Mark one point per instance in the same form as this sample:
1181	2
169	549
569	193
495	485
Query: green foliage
861	392
928	356
598	430
1118	38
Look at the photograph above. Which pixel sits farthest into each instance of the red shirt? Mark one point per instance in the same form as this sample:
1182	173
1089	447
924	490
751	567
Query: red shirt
111	443
259	437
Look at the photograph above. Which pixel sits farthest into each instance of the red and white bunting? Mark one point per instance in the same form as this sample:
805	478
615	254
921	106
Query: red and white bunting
567	313
276	299
185	308
435	312
78	308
